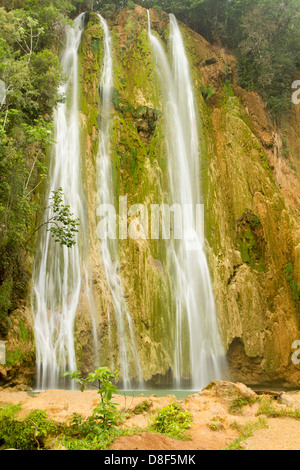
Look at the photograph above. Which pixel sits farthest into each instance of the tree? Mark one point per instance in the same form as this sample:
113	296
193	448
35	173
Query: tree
30	74
264	35
63	224
106	415
27	32
46	76
269	51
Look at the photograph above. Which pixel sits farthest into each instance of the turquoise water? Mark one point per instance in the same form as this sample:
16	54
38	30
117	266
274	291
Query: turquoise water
179	394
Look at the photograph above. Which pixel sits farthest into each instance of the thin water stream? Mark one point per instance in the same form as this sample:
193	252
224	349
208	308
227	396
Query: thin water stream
197	346
120	317
60	273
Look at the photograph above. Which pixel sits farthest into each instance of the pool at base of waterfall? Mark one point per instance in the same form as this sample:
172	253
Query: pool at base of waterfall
178	394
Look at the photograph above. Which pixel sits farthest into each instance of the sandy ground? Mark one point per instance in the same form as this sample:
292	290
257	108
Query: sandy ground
214	424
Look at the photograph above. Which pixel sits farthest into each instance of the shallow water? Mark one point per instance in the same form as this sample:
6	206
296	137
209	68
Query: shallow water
179	394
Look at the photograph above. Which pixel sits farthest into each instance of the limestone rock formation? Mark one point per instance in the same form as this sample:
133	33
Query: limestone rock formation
251	194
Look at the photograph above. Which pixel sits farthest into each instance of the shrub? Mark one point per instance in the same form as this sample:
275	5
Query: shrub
173	421
99	430
207	92
29	433
144	406
238	404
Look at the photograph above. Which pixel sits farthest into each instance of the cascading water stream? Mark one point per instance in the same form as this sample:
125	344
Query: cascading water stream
108	247
197	339
60	273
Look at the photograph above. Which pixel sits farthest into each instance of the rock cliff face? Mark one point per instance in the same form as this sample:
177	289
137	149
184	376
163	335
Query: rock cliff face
138	172
252	223
250	186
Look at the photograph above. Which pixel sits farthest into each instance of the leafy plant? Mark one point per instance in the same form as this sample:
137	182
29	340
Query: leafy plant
247	431
214	426
285	148
268	409
289	275
142	407
64	225
173	421
207	92
30	72
94	432
100	429
29	433
238	404
96	44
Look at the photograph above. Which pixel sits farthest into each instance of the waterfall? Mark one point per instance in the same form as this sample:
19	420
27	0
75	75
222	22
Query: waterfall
60	273
197	340
108	247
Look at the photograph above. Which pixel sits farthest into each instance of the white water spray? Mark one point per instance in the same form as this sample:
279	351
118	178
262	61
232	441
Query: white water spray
128	355
60	274
197	336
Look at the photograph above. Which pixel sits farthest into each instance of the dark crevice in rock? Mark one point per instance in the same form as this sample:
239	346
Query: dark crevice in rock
233	275
243	368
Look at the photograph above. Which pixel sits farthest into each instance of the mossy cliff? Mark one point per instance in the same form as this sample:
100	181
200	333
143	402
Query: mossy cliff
252	227
249	181
136	153
19	368
252	224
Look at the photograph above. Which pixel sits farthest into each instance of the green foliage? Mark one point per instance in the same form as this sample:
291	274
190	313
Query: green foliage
9	410
48	17
253	219
268	409
29	433
238	403
46	76
285	149
289	275
86	434
108	8
96	44
34	431
207	92
210	386
65	226
95	432
247	431
266	51
99	430
173	421
264	34
31	74
250	240
116	99
214	427
142	407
